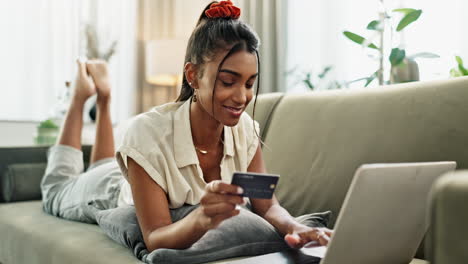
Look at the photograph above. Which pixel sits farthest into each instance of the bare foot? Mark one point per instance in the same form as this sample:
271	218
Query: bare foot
99	72
84	86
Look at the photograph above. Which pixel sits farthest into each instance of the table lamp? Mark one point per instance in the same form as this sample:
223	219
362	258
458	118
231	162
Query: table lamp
164	62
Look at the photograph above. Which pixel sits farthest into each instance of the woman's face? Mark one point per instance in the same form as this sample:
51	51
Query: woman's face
234	86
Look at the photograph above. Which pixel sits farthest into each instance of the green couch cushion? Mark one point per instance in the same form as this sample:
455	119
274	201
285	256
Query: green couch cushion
317	140
21	182
21	171
31	236
18	155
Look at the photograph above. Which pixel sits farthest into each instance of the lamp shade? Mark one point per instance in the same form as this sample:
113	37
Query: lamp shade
164	61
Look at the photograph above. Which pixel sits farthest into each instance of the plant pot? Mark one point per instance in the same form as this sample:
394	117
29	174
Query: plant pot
46	136
407	71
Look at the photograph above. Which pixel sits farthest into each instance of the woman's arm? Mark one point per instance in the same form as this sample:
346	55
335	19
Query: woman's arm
270	209
296	234
152	209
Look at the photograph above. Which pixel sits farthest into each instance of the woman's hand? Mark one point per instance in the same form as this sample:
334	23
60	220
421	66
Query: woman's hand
301	235
218	204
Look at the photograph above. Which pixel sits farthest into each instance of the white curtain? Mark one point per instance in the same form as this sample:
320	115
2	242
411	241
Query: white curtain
315	38
40	42
117	20
268	18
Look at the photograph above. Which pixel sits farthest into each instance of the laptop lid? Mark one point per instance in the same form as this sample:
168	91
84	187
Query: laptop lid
383	217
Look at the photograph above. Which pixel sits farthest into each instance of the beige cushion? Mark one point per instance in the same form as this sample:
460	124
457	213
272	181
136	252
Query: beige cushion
449	214
317	140
264	110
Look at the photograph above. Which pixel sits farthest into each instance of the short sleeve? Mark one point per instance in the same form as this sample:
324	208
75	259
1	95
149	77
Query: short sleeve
140	144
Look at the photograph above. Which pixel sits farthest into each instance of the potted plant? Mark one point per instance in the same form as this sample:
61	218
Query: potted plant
46	132
403	68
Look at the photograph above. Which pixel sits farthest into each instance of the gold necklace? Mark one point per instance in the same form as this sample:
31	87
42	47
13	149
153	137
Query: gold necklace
204	152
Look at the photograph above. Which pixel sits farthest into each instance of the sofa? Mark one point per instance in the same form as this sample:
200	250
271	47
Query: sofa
314	140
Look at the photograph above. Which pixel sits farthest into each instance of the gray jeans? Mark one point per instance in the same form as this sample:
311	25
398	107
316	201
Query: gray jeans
70	193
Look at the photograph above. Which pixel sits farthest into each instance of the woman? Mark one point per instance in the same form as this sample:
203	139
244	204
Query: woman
179	153
185	152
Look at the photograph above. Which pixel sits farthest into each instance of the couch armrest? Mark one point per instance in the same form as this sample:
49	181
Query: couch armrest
34	155
448	234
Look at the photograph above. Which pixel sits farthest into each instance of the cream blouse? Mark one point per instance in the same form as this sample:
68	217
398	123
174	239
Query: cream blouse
160	141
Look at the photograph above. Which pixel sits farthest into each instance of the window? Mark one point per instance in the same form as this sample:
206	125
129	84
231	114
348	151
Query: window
315	37
41	40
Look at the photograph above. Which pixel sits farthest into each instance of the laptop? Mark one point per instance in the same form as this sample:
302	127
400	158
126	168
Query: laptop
382	220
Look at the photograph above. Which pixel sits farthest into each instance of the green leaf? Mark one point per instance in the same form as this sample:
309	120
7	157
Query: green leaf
308	82
455	73
427	55
357	80
371	78
397	56
324	72
408	19
461	69
405	11
48	124
373	25
358	39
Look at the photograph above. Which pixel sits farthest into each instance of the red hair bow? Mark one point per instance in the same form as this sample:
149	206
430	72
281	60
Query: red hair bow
223	9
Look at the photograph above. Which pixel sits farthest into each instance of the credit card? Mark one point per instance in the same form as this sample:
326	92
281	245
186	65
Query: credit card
256	185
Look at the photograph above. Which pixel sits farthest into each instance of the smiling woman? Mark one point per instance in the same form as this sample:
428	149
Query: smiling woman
226	96
186	152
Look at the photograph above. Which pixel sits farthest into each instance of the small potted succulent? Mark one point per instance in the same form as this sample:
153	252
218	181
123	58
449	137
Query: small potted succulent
46	132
